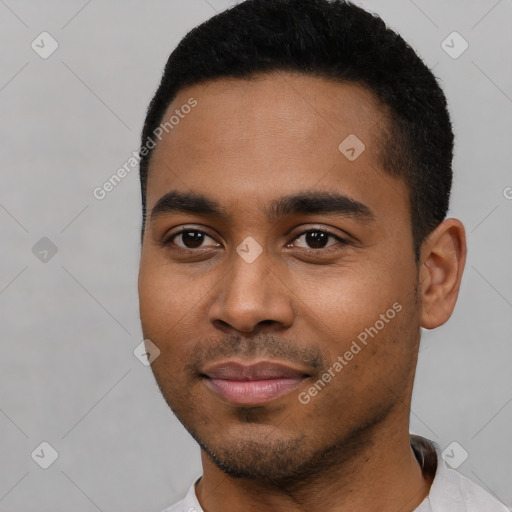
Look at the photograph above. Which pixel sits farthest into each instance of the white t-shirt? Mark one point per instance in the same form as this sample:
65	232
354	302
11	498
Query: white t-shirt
450	491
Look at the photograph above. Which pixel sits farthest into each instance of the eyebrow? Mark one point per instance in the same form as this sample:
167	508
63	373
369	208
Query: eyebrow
308	202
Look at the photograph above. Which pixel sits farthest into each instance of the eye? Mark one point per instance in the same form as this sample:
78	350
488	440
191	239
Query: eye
317	239
190	239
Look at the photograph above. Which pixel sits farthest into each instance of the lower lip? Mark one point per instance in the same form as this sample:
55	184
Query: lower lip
253	392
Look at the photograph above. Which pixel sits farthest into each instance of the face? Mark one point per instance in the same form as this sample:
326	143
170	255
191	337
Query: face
284	303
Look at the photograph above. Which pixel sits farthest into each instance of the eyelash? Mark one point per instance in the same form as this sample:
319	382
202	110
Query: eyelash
167	242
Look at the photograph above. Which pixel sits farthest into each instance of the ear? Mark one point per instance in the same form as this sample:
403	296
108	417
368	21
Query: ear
443	256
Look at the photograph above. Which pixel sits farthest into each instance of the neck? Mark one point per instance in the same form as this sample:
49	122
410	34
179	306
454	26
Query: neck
382	476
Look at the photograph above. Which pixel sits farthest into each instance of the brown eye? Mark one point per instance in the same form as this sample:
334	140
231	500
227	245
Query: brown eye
318	239
190	239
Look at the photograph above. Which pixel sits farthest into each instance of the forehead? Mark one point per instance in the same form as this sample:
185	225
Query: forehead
249	141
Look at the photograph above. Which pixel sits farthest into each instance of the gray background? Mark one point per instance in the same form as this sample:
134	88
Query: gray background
69	324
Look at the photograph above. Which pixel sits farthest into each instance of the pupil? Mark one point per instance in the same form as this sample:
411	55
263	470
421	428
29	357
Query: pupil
316	239
196	239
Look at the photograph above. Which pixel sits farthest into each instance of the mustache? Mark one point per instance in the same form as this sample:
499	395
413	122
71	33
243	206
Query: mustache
262	346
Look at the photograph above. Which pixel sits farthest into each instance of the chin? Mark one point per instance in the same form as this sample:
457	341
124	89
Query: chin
265	459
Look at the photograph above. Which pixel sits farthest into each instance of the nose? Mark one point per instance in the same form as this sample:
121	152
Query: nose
251	295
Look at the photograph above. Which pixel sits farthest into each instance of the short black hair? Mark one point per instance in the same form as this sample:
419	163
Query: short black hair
339	41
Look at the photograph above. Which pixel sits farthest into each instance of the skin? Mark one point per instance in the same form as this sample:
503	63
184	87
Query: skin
245	144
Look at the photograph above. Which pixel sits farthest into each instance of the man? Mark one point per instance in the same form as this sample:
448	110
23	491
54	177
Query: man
296	174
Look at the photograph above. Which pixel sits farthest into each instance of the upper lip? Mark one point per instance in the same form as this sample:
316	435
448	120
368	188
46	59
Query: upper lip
262	370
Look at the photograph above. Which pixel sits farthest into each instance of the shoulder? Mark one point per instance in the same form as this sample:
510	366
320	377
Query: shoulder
189	503
177	507
450	489
474	497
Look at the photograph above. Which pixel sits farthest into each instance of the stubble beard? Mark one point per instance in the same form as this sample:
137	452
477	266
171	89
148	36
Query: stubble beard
287	462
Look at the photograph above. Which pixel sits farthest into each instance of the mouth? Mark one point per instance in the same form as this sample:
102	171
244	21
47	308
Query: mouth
253	384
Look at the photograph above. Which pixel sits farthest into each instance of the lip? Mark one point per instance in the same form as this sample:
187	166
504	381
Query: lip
252	384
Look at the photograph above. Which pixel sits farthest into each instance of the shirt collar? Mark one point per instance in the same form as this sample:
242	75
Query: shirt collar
445	489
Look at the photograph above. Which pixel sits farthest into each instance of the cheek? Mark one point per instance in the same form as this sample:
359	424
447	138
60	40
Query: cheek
361	315
163	296
344	301
170	311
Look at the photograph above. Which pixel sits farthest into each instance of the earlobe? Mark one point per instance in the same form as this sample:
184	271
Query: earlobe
443	258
